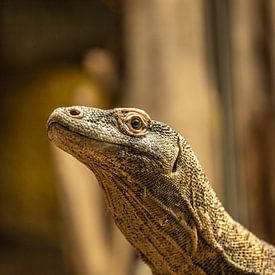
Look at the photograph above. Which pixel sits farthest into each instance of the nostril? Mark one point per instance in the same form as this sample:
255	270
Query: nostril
75	112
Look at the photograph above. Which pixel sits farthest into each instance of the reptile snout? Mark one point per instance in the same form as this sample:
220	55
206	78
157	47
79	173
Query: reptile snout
52	118
60	115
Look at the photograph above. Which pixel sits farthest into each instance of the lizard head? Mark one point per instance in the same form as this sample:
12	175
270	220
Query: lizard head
122	140
138	163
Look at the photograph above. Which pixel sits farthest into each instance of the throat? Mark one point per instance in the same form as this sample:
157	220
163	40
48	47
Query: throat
153	231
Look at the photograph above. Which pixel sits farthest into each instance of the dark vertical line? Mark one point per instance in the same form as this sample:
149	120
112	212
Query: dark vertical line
265	130
220	54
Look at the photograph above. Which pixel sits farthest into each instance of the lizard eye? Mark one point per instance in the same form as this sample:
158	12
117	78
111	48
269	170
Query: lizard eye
132	122
136	123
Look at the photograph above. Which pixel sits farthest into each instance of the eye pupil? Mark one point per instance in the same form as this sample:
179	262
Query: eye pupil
136	123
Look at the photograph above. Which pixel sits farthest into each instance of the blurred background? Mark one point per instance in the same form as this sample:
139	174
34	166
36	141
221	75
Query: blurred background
204	67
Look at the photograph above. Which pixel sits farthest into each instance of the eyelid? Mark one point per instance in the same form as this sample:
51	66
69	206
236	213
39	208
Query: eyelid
124	119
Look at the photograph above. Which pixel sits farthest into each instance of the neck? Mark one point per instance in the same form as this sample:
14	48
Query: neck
215	225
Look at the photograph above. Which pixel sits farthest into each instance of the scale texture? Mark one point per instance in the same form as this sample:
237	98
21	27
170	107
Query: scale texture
158	194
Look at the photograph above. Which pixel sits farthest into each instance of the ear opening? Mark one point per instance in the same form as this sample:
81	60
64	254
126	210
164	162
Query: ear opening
176	162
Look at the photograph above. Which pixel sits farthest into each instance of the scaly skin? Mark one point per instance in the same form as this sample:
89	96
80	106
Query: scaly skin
158	194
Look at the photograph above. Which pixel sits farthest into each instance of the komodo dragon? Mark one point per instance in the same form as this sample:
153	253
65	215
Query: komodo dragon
158	194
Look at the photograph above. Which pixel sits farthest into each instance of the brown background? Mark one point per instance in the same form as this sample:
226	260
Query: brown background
204	67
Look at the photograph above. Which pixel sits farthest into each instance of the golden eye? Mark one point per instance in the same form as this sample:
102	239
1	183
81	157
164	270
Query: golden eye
136	123
132	122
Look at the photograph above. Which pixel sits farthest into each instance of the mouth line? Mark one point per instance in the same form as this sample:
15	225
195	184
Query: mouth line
68	129
52	122
57	123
